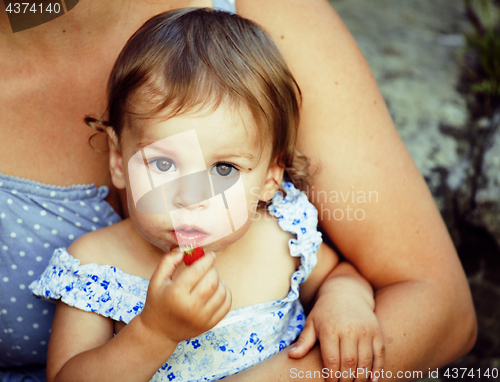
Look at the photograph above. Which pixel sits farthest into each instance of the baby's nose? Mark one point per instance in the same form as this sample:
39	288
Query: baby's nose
189	191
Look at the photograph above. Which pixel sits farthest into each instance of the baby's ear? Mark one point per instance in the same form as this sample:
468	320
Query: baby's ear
115	159
272	183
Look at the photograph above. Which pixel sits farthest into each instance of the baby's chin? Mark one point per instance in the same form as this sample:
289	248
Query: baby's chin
228	240
225	242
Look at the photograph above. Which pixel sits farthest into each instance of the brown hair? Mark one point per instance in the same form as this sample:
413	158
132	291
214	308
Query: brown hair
192	58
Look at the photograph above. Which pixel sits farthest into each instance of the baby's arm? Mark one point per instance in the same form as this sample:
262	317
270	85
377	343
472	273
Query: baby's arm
82	346
351	336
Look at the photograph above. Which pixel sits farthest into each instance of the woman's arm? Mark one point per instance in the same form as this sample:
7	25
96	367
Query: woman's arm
400	243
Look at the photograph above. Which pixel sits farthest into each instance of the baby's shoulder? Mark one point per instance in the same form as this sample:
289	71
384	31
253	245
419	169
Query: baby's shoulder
102	247
269	237
268	229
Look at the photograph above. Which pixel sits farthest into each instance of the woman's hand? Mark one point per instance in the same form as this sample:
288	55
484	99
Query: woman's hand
186	304
344	321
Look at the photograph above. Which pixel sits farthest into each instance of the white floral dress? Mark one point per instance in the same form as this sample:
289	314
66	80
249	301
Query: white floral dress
244	337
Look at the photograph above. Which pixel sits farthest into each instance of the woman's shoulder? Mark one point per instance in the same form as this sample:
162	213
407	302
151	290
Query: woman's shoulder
294	33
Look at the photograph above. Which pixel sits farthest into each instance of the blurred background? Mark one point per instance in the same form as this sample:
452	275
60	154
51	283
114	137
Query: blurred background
437	63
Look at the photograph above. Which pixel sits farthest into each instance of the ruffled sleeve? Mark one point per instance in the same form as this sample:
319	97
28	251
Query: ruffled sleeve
297	215
104	290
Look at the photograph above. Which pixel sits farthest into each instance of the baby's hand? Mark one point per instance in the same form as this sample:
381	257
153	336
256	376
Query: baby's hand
188	305
348	331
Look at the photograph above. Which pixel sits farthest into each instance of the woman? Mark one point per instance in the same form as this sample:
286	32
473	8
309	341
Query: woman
53	77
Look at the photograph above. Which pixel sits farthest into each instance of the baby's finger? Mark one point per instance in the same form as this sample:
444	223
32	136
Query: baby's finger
206	286
378	357
305	342
348	358
330	353
224	308
165	269
190	276
216	300
365	358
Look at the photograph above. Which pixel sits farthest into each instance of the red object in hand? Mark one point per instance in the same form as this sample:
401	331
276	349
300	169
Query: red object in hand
193	254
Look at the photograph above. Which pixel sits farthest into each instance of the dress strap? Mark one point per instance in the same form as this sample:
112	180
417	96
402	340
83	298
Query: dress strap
225	5
297	215
102	289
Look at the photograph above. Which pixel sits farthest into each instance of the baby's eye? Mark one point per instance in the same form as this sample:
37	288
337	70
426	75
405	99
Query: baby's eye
223	169
162	164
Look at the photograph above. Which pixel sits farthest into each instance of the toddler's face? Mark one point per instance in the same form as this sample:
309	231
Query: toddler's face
195	177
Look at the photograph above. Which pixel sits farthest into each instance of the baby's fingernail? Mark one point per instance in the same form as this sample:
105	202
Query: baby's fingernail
213	255
294	348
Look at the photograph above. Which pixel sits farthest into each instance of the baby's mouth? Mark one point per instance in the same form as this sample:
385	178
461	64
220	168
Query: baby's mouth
187	235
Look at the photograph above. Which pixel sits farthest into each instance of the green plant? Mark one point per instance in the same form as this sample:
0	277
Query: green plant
483	49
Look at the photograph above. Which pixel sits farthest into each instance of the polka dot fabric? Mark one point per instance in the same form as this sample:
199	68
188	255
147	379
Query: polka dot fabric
35	219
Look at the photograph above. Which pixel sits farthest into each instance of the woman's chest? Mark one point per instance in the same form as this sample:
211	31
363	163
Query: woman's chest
53	76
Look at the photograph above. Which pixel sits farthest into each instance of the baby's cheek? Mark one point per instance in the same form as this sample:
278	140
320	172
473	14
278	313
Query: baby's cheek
252	196
253	205
151	226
